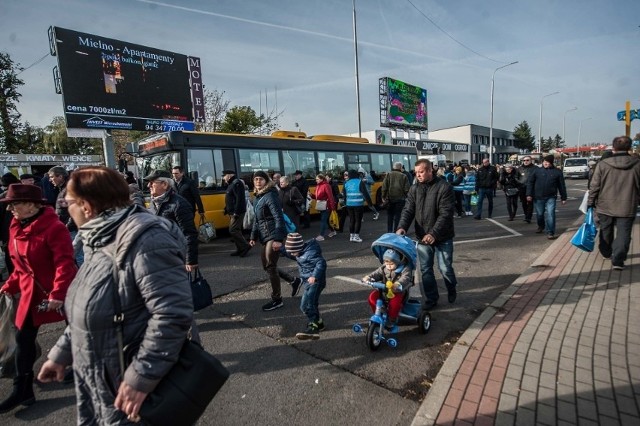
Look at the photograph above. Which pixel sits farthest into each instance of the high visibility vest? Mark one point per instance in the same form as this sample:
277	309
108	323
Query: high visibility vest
354	196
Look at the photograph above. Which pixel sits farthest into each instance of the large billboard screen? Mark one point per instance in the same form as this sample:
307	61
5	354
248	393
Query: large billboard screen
111	84
404	105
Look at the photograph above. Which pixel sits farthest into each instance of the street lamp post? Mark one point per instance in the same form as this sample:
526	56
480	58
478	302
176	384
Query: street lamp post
564	120
580	132
491	119
540	123
355	48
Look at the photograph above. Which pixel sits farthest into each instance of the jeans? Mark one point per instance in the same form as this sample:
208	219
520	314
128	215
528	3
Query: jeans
467	202
310	299
618	247
443	252
324	221
484	192
546	214
394	211
269	258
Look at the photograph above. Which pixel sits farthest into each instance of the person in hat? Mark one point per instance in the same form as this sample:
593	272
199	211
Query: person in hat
235	205
393	270
543	187
313	274
268	229
40	246
167	203
303	187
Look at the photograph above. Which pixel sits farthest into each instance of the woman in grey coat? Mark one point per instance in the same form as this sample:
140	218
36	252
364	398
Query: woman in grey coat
146	255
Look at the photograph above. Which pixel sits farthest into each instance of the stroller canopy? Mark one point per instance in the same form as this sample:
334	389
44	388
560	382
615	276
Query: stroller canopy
403	244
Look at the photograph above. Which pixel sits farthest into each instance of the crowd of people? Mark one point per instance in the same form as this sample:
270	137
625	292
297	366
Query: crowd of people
96	248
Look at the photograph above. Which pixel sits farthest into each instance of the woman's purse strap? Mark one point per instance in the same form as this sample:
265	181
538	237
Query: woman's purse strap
25	264
118	317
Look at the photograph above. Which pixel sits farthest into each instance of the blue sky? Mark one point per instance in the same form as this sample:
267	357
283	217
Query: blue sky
588	50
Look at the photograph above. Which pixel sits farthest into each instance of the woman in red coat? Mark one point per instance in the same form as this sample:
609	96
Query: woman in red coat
42	254
324	193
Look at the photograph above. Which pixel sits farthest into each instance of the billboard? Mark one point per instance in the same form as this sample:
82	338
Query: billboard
111	84
402	105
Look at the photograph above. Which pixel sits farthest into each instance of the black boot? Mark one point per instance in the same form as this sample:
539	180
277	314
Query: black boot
22	393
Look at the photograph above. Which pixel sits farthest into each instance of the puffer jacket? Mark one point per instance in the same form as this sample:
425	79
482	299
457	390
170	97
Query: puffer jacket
177	209
146	254
310	261
324	192
486	177
431	204
402	275
546	183
269	222
615	186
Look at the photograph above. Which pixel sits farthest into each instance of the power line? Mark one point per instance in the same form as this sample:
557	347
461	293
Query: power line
450	36
34	64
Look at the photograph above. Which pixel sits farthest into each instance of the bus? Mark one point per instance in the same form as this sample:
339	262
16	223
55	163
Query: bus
204	155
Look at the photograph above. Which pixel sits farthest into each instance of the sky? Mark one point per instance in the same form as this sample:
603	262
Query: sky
301	54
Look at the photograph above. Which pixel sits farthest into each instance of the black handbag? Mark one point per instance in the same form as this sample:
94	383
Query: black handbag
200	291
186	390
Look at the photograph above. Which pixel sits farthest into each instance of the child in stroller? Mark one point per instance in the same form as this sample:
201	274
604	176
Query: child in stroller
398	277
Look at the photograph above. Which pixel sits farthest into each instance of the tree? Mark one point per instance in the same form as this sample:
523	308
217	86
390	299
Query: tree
215	109
241	119
552	143
523	137
9	96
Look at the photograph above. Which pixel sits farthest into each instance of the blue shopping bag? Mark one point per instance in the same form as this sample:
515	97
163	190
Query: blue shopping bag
585	237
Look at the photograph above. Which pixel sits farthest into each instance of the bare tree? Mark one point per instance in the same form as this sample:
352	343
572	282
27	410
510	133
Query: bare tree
215	108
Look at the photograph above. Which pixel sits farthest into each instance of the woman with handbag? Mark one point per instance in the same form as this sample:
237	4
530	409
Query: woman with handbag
134	263
42	254
325	204
511	188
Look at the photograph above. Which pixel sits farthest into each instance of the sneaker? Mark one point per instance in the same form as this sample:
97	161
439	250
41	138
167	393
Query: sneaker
351	237
376	215
552	237
452	296
320	324
356	238
319	238
539	230
274	304
606	257
332	234
311	333
618	267
295	286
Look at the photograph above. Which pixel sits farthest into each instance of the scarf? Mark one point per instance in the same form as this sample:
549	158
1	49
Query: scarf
101	230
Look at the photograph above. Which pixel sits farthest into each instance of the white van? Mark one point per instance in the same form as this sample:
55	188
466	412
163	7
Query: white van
576	168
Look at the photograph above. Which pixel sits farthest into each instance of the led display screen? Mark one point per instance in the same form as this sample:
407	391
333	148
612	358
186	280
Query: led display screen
406	105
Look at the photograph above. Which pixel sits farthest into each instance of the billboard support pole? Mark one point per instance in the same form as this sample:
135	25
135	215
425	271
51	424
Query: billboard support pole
109	151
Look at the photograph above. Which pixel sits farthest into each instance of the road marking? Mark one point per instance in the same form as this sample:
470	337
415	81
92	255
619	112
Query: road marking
513	233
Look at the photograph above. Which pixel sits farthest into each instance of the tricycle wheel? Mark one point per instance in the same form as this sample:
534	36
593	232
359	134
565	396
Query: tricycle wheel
374	336
424	322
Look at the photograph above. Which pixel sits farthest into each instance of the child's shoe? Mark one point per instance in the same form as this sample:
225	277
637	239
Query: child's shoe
311	333
320	324
391	326
295	286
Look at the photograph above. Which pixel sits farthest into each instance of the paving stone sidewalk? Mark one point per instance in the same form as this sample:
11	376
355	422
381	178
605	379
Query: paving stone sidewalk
561	346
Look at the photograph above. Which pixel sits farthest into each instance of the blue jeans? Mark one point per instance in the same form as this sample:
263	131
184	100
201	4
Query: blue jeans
310	298
484	192
546	214
324	221
467	202
443	252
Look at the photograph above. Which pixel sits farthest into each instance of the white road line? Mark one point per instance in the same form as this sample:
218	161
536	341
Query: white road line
486	239
506	228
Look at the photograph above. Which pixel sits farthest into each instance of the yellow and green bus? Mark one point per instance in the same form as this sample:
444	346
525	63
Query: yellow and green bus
204	155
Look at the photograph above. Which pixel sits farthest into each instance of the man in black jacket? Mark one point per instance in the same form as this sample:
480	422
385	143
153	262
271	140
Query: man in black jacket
167	203
430	202
486	181
188	189
524	171
235	205
303	186
542	188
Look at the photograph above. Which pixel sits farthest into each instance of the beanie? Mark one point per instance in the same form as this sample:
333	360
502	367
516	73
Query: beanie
391	255
549	158
294	242
261	174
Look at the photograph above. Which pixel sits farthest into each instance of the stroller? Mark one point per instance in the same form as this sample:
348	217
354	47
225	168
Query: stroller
411	309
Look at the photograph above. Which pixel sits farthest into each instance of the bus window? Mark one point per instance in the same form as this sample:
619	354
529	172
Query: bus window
407	160
202	163
356	161
331	163
165	161
299	160
380	164
252	161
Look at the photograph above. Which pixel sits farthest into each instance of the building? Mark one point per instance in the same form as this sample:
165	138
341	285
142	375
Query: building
477	138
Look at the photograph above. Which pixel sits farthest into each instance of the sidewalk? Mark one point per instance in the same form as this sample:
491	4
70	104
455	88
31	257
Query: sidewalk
561	346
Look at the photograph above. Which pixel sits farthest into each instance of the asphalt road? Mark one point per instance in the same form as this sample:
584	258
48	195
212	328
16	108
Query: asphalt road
337	379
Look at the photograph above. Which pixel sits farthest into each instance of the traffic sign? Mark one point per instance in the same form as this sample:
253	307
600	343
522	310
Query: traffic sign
634	113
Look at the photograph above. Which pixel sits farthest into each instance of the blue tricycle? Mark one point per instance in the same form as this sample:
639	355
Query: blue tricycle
412	308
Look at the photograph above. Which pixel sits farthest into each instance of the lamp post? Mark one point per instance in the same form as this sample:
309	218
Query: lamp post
564	120
580	132
540	123
355	48
491	119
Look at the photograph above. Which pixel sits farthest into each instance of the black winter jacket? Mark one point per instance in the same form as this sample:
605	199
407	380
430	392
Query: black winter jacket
188	190
177	209
269	222
234	200
546	183
486	177
431	204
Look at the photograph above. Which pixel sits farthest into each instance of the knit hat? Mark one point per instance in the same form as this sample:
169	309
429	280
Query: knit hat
549	158
391	255
261	174
294	242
